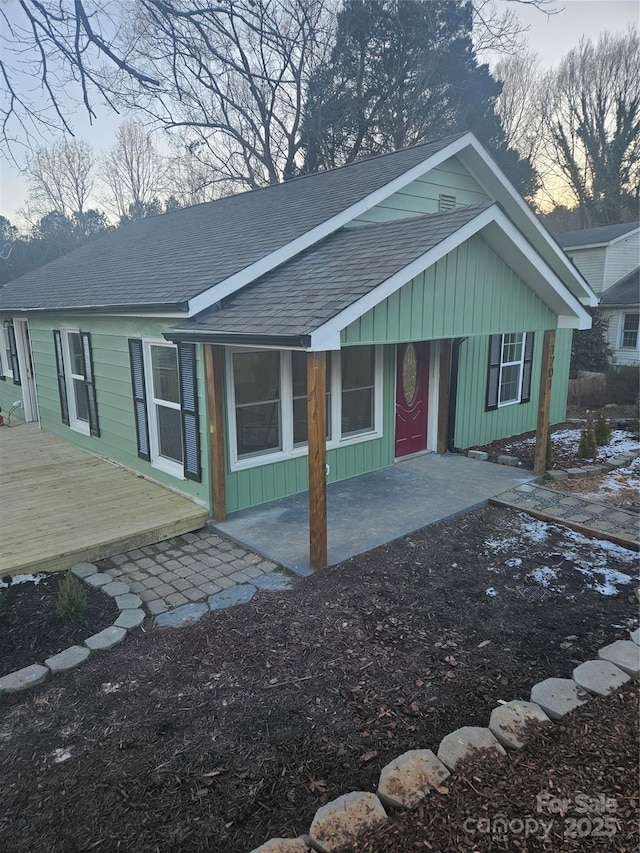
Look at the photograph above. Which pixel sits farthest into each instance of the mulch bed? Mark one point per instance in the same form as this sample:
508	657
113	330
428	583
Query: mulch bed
572	788
30	631
220	735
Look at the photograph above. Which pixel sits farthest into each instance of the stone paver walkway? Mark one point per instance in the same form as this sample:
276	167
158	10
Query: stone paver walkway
585	516
185	569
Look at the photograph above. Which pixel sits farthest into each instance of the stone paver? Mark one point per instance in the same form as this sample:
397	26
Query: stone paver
115	588
599	676
98	579
509	722
231	597
129	601
21	679
106	639
83	570
574	511
339	823
635	636
624	654
273	581
463	743
558	696
130	619
405	780
283	845
181	615
67	659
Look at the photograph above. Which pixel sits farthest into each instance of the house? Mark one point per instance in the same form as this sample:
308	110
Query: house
257	346
609	257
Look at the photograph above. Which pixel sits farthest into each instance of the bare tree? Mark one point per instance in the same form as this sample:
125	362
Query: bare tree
497	31
592	125
61	177
135	173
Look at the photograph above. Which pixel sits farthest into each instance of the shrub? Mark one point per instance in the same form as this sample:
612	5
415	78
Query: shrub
622	384
590	349
588	448
602	431
72	601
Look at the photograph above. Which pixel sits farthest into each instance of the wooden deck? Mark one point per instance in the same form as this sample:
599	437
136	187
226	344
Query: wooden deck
60	505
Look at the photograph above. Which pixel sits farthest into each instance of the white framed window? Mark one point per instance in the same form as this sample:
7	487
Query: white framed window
163	406
629	335
5	352
267	394
75	378
509	369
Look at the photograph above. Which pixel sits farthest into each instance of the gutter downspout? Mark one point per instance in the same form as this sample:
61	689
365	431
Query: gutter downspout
453	394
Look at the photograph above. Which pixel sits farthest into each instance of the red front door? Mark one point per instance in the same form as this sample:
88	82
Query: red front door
412	394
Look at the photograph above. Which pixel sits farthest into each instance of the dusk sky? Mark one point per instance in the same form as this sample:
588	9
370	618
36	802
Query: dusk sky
549	36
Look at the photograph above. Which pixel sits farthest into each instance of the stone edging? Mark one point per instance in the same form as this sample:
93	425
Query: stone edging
131	616
405	780
623	460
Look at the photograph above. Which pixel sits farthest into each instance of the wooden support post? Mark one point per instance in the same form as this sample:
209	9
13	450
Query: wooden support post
443	396
544	403
317	436
213	375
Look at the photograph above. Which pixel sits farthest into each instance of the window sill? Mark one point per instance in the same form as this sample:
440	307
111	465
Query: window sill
172	469
80	427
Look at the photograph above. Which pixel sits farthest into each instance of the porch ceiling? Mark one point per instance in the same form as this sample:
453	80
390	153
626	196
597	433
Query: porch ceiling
62	505
367	511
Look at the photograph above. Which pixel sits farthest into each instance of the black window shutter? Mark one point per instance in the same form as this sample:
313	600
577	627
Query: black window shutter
493	372
139	398
3	378
89	384
62	385
13	351
526	368
189	411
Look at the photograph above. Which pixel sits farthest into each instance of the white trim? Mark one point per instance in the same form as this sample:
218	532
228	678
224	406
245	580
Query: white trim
535	271
622	346
7	366
75	423
519	363
289	451
284	253
162	463
28	389
435	349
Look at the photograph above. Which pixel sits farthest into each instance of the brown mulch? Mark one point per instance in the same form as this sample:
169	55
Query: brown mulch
220	735
574	787
30	631
626	496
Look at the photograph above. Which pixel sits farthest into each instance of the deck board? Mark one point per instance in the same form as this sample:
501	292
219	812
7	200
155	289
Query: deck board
60	505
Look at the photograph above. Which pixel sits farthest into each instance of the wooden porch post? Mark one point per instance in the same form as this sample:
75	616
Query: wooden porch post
544	403
317	437
213	375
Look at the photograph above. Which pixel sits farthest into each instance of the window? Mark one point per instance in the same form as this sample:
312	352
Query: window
6	361
267	390
76	388
509	373
163	378
630	324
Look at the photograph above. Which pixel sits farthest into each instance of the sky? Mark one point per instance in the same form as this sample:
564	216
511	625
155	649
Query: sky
550	36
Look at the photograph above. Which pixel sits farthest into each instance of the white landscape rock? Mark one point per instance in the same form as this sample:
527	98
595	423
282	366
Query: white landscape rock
509	722
625	654
468	742
283	845
558	696
339	823
406	779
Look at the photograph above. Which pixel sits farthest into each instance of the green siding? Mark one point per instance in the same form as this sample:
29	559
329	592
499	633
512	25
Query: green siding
254	486
476	426
117	439
470	291
422	195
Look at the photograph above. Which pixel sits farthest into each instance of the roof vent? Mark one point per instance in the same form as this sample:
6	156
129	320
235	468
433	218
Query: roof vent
446	202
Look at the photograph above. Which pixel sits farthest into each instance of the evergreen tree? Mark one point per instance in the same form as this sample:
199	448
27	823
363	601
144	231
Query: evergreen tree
590	348
402	73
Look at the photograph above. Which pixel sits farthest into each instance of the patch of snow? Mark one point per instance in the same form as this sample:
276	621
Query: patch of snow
543	576
22	579
513	562
491	592
625	555
610	579
60	755
110	687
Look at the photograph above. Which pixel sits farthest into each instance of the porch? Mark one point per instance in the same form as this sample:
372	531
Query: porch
61	505
369	510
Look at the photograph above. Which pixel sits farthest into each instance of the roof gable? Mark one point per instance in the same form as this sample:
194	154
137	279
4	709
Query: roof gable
592	237
626	291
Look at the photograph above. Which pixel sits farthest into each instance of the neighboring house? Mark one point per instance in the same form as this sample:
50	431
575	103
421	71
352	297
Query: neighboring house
412	290
608	257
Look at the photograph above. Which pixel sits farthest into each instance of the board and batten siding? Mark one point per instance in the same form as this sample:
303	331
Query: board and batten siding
117	441
254	486
422	195
470	291
474	425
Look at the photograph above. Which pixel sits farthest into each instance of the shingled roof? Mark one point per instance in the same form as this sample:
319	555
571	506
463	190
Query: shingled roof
595	236
163	261
295	299
626	291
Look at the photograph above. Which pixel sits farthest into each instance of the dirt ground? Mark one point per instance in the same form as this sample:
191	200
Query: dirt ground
220	735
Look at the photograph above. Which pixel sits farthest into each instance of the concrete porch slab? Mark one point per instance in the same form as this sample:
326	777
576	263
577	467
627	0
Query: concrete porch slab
372	509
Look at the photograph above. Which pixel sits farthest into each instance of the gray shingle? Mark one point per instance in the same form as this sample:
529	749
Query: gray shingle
322	281
166	260
626	291
594	236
